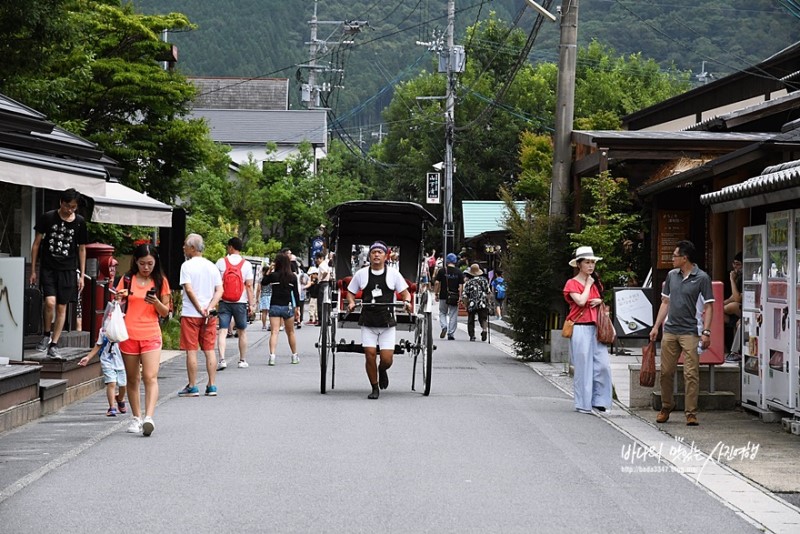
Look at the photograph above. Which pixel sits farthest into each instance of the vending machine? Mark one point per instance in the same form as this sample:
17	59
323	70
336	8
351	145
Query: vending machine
776	324
795	269
753	367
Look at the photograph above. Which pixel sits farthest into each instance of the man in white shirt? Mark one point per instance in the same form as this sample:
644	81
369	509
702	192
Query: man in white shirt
232	307
202	289
378	284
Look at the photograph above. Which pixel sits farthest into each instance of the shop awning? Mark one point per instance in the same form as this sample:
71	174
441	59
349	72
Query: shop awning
34	170
777	183
122	205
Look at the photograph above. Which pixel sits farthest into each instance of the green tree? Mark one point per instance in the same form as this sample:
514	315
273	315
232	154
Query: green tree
103	80
608	220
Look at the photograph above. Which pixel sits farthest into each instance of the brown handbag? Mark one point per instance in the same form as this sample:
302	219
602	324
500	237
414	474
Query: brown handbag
605	329
647	375
566	330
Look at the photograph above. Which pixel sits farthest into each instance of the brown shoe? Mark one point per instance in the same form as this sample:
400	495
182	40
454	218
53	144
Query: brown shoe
663	415
691	420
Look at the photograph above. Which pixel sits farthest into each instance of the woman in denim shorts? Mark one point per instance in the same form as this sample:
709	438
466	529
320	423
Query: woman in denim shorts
283	305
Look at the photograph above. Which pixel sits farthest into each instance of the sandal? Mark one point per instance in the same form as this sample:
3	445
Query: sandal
112	412
121	407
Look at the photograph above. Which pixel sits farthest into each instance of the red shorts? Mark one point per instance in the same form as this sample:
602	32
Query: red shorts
140	346
196	333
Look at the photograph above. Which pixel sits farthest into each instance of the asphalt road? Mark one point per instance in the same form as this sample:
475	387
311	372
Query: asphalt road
494	448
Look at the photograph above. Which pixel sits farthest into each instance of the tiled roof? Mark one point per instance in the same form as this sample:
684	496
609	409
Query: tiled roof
773	179
248	126
242	93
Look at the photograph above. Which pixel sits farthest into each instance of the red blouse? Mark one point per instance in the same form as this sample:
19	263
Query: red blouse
589	313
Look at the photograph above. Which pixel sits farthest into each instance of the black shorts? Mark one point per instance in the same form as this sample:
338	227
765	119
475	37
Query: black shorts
63	285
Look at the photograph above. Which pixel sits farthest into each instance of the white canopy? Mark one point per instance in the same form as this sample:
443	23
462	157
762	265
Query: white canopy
123	205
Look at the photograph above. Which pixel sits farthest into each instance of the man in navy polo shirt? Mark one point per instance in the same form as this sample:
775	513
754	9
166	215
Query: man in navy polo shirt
686	295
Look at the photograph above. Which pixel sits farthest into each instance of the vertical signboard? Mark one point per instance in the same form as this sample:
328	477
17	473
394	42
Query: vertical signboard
12	297
673	226
434	188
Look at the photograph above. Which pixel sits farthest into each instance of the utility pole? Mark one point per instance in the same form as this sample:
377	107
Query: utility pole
379	134
565	109
310	91
449	126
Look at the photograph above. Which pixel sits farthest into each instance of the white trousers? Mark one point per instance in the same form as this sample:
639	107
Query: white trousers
592	380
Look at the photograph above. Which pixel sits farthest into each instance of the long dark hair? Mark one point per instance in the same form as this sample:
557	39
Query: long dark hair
283	269
158	275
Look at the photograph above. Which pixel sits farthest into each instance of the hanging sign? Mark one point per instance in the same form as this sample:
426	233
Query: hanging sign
434	188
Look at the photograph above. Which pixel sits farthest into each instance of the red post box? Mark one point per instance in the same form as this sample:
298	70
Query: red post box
101	270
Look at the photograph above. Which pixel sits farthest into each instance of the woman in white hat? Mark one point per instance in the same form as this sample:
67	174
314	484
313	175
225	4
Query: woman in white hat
584	292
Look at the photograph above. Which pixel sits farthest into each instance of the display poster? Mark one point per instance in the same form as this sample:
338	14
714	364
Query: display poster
673	226
633	311
12	298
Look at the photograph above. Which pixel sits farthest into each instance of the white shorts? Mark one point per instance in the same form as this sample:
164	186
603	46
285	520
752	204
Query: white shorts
383	337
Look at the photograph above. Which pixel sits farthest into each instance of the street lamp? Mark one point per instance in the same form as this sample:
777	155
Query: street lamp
541	10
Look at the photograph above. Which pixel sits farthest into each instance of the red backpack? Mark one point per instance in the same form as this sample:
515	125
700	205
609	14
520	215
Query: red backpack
232	281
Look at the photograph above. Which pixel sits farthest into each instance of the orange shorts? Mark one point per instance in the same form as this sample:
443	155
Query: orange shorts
196	333
139	346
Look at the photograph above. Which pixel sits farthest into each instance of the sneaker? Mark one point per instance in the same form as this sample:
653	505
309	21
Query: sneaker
112	412
733	357
450	338
243	364
299	326
148	426
473	338
483	335
229	335
189	391
272	359
54	352
443	333
281	328
135	427
295	358
211	391
43	344
264	327
222	364
691	420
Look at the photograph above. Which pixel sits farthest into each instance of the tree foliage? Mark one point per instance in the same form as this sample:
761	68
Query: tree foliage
609	220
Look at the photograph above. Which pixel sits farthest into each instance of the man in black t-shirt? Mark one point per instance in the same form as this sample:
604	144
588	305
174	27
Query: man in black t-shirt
60	243
448	286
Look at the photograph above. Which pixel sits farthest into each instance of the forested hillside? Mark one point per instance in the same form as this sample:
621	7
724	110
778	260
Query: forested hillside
256	38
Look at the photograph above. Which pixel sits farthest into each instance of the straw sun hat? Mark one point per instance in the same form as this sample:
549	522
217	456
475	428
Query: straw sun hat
583	253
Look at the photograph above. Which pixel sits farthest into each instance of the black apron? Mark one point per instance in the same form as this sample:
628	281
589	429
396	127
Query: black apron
377	316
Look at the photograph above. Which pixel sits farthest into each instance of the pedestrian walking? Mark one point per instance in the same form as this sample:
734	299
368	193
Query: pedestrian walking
283	306
378	284
237	299
265	293
687	288
60	244
202	290
113	369
145	290
447	288
584	293
312	291
499	290
476	300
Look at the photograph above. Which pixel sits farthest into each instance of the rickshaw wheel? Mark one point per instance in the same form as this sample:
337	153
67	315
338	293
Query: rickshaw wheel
325	342
423	351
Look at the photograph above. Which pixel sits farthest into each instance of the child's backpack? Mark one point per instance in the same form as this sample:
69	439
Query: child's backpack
232	281
500	288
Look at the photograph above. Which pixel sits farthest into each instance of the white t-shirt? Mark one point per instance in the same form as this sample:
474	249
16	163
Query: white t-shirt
394	280
324	271
247	271
204	278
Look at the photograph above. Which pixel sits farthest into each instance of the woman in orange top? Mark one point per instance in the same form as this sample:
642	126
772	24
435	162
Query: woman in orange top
146	290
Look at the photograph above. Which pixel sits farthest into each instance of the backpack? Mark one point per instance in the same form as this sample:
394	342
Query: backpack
475	293
500	288
232	281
